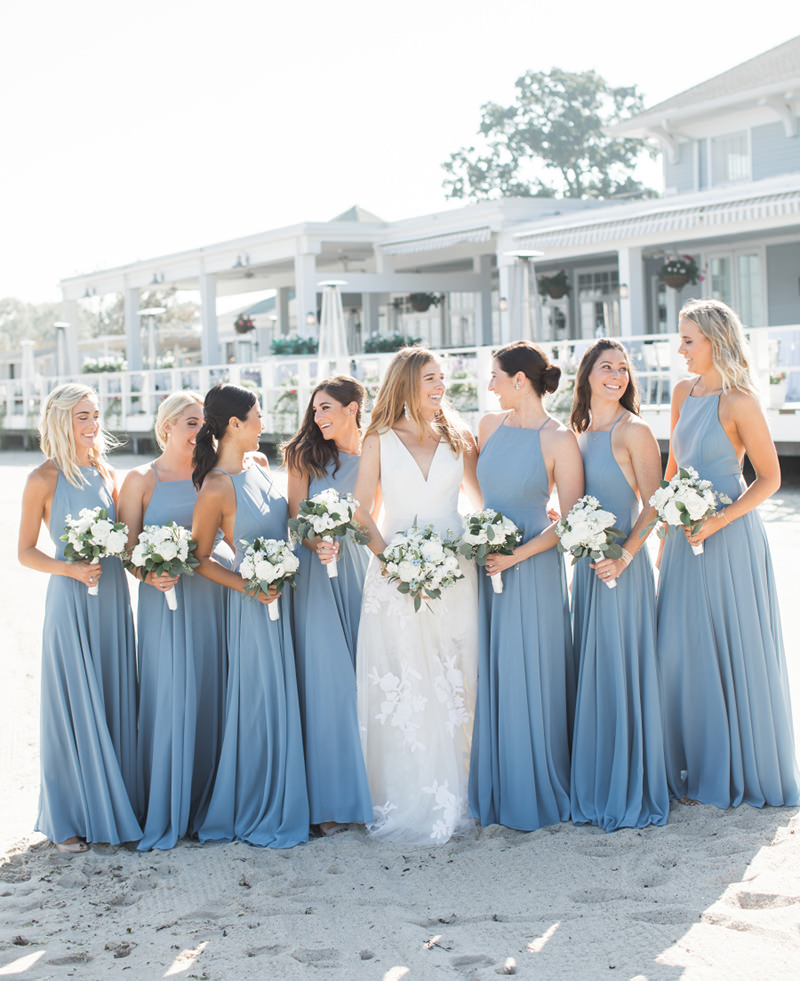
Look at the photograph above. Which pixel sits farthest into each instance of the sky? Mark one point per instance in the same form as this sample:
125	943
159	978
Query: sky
132	130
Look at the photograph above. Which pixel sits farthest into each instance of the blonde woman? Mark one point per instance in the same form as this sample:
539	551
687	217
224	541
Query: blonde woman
416	671
181	654
725	695
88	708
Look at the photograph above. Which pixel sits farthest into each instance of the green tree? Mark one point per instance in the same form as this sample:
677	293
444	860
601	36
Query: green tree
551	142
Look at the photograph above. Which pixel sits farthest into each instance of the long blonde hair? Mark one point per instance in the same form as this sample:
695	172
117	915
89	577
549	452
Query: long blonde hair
399	396
729	348
170	411
57	438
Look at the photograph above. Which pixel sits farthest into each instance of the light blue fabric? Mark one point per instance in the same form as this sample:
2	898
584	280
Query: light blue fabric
326	614
182	664
259	793
519	769
618	775
88	708
725	692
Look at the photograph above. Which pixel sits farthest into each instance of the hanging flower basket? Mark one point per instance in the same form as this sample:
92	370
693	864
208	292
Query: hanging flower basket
423	301
243	324
554	286
677	272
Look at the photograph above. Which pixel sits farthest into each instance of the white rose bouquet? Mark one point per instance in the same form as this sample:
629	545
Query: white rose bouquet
588	529
328	515
686	501
167	549
93	536
421	562
487	533
268	562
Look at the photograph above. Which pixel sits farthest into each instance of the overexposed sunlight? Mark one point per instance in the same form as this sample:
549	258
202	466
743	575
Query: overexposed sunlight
395	973
537	945
185	959
21	964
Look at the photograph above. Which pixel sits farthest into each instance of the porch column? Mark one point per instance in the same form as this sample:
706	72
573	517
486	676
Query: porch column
282	310
370	304
632	312
209	344
305	291
482	265
70	309
512	319
133	330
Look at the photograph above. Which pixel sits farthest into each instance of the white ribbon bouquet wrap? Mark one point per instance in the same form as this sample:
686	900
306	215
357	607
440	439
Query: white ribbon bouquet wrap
328	515
166	549
588	530
93	536
685	502
268	562
487	533
422	563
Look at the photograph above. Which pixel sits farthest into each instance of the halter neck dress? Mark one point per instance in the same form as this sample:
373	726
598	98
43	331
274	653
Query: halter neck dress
325	614
519	771
259	793
88	706
725	693
618	777
182	658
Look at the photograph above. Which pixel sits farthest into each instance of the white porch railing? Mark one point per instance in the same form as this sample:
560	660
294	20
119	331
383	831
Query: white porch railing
129	399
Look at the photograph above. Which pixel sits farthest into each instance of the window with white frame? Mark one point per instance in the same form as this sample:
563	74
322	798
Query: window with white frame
730	158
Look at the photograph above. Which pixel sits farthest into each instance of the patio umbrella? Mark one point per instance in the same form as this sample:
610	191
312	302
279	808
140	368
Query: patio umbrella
332	333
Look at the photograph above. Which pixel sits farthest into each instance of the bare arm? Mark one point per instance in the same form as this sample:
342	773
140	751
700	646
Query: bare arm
36	500
134	496
470	481
367	484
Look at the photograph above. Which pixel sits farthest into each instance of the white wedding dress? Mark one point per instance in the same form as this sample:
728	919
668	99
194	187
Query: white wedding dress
417	671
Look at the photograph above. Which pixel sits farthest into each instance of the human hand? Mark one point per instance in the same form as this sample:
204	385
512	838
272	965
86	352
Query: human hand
163	582
495	562
87	573
327	549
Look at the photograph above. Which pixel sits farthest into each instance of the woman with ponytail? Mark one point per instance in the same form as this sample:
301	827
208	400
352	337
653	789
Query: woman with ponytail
324	454
259	793
519	771
181	653
88	708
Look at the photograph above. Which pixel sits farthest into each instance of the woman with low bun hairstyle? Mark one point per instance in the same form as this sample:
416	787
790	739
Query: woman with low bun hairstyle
618	775
519	771
324	454
181	654
728	730
259	793
88	704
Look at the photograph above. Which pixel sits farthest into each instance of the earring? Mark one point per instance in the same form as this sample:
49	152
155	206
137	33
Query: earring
406	413
516	385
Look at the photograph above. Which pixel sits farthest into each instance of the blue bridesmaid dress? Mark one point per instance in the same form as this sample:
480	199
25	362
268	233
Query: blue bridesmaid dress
88	708
725	693
259	793
181	688
618	775
519	768
326	613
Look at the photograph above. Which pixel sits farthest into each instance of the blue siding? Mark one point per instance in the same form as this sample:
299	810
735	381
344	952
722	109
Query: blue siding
773	152
680	176
783	284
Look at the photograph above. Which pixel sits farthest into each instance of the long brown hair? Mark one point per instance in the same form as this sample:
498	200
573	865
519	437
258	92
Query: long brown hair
580	417
399	396
308	452
531	360
222	402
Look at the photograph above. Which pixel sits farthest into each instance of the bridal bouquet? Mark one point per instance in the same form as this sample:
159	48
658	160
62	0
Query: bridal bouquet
268	562
686	501
486	533
328	515
589	530
421	562
93	536
167	549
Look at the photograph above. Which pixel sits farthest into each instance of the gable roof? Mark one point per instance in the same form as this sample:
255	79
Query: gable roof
357	213
775	72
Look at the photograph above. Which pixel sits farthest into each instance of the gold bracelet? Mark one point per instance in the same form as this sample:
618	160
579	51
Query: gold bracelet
627	558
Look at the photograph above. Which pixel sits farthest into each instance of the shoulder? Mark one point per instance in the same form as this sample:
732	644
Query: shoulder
216	484
681	390
140	477
43	478
633	428
488	424
260	459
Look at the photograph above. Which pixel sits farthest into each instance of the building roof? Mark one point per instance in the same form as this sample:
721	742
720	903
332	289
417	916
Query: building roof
357	213
773	73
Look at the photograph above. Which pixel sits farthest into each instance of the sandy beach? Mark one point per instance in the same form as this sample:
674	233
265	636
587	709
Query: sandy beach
713	895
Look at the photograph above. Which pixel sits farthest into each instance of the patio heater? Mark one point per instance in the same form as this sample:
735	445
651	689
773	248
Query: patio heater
532	325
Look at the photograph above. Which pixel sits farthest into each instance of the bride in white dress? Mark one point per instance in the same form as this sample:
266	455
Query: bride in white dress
416	670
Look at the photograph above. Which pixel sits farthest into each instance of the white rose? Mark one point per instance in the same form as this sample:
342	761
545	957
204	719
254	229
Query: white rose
570	539
168	550
84	521
116	542
139	555
407	571
671	514
660	498
604	519
246	569
101	530
264	570
432	551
